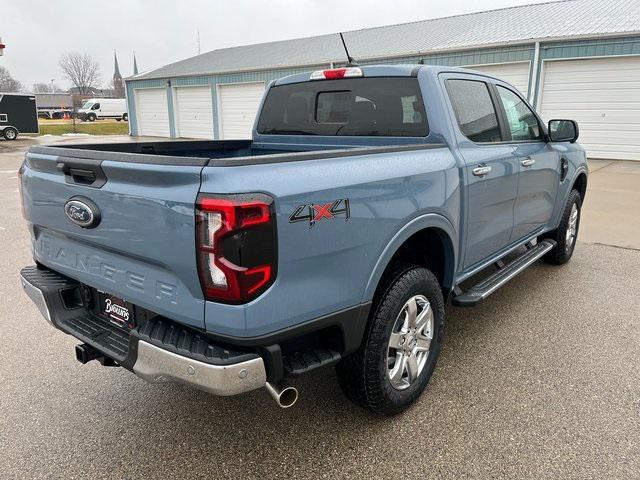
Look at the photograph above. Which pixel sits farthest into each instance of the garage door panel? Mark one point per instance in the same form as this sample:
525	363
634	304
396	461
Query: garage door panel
590	96
194	112
603	96
239	105
152	112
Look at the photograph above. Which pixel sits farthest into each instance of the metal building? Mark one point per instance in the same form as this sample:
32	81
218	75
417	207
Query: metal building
575	59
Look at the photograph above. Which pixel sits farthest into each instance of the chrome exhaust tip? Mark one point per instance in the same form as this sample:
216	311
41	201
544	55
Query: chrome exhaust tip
284	396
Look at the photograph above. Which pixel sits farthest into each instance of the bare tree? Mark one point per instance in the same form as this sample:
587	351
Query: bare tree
82	70
8	83
42	87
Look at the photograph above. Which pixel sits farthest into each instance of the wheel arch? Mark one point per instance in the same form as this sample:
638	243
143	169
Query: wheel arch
580	184
429	238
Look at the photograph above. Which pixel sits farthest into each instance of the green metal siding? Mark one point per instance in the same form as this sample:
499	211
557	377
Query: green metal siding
507	54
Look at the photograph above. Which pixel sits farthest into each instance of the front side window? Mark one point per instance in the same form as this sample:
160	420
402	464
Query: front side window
474	110
522	124
385	106
96	107
87	106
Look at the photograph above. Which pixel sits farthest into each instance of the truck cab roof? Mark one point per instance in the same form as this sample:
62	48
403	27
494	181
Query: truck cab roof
399	70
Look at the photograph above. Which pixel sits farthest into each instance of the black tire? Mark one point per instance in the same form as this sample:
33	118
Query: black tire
564	249
125	117
91	117
118	119
363	375
10	133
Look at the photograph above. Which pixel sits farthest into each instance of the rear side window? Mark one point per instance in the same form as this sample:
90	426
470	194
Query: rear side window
351	107
474	110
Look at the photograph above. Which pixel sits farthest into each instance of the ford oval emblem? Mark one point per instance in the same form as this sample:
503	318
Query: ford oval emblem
83	212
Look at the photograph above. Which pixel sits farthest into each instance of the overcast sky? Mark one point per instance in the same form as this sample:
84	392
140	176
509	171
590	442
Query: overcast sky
38	32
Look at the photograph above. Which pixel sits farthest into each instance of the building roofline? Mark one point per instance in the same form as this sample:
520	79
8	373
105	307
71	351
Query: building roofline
466	49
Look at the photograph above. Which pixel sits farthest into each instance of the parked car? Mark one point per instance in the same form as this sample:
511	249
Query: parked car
366	199
100	108
18	115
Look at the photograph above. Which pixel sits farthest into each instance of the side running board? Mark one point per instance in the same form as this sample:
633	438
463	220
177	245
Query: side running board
505	273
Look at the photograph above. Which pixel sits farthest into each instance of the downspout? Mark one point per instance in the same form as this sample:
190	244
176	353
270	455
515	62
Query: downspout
533	78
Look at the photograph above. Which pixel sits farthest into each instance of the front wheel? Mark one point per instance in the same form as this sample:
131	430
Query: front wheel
91	117
567	232
401	346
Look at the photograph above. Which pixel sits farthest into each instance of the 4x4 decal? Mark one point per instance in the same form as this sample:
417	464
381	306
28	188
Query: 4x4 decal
313	213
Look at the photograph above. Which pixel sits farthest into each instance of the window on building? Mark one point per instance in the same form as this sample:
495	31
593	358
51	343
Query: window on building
474	110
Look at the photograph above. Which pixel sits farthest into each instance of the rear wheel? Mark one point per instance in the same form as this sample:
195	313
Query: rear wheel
10	133
401	346
567	232
125	117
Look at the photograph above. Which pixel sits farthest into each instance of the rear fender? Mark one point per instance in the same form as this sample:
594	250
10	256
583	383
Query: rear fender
430	220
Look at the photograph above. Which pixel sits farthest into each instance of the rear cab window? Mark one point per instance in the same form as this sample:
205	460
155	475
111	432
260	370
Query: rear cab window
369	106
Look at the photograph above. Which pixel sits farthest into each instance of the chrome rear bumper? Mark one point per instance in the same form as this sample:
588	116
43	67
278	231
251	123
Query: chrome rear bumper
151	362
156	365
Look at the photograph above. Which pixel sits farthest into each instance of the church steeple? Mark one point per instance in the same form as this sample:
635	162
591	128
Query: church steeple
135	64
118	83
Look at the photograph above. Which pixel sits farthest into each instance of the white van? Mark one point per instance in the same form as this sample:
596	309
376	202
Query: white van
97	108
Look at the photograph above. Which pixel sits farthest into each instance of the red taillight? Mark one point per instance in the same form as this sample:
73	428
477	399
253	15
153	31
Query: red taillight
236	241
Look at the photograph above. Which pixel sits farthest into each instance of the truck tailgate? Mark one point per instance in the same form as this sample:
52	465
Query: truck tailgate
142	248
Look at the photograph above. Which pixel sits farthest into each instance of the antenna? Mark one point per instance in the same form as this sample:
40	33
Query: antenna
350	61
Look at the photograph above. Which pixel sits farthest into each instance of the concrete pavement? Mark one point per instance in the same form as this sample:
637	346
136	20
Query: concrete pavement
539	381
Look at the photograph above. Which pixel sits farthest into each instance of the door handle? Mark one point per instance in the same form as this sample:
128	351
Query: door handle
527	162
481	170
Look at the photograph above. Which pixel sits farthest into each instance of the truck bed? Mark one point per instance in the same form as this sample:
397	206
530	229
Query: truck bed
214	153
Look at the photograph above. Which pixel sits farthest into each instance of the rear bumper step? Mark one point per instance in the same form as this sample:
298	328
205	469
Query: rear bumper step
158	350
505	273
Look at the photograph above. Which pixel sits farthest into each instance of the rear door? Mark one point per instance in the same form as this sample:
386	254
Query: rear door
142	249
538	164
491	170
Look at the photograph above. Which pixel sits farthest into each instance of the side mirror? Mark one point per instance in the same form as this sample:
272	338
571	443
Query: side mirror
563	131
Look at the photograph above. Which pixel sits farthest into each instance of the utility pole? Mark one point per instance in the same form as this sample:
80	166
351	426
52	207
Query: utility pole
198	32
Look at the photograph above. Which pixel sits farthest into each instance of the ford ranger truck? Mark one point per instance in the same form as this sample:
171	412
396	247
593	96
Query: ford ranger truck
366	198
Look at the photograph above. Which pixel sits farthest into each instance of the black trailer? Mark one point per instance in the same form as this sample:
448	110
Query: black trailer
18	114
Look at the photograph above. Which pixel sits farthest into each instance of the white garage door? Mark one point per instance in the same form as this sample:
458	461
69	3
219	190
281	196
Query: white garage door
152	112
603	96
239	105
194	112
517	74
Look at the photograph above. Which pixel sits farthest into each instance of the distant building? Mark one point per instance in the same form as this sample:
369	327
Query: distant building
54	100
135	64
118	82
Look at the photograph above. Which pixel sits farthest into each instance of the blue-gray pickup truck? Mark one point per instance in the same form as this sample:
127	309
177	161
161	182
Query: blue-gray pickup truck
367	198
